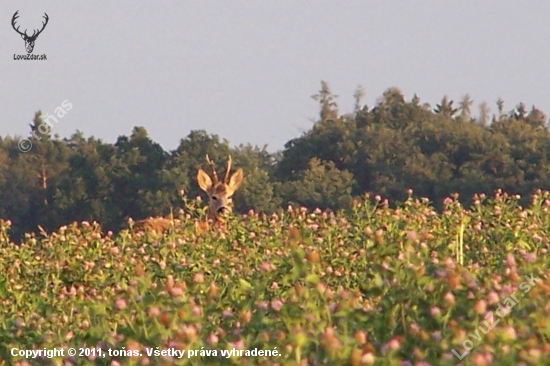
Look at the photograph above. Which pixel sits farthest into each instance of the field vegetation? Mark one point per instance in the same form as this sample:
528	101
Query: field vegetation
368	285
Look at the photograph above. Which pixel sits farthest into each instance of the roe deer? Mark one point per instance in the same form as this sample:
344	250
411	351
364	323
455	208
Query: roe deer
219	193
159	224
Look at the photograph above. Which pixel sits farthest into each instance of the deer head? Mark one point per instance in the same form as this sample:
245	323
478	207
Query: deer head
29	40
219	193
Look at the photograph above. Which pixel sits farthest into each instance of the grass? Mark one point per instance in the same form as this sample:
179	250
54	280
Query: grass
374	285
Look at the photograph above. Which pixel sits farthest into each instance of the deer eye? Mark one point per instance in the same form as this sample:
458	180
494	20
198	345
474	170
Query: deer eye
215	198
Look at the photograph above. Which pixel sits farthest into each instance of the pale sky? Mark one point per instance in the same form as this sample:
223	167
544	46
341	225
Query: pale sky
246	70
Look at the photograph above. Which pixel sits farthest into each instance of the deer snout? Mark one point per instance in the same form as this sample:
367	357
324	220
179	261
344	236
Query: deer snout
223	210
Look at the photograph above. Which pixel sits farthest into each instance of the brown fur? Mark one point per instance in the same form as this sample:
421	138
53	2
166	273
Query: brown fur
158	224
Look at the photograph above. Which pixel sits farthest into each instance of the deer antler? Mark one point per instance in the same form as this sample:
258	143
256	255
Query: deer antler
227	170
34	34
43	26
15	16
213	167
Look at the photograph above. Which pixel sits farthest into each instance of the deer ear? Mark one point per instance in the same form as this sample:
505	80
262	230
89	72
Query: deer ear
23	36
236	180
205	183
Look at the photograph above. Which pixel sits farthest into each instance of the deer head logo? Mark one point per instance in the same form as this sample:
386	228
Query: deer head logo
29	40
220	193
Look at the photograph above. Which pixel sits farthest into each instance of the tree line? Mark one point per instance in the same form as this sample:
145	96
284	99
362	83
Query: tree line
386	149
